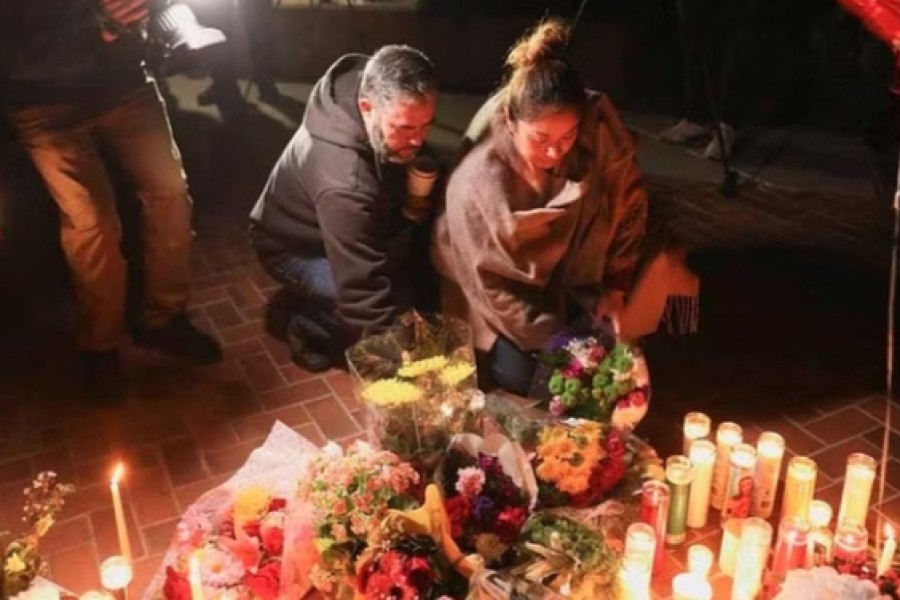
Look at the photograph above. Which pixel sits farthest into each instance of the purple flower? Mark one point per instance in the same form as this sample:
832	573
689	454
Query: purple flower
483	510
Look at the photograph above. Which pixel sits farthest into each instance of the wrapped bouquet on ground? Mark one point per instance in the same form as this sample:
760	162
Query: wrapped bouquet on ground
235	536
489	491
593	376
417	382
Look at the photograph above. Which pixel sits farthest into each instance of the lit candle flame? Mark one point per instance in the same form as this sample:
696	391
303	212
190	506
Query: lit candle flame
118	473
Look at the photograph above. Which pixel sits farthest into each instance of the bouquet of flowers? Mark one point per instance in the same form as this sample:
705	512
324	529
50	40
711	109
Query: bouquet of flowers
824	583
22	564
349	495
489	491
238	554
417	382
566	555
409	567
594	377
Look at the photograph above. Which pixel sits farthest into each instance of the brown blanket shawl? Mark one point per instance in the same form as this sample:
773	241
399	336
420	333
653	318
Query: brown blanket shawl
513	257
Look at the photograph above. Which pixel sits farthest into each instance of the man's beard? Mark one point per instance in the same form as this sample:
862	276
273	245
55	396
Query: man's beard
382	152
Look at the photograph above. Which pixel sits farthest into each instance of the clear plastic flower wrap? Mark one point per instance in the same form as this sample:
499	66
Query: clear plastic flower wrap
417	382
824	583
221	522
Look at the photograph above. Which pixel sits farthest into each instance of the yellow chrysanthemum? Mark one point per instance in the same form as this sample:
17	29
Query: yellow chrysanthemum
391	392
420	367
251	503
455	373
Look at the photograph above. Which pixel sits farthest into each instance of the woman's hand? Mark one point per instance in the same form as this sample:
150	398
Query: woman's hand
609	307
123	13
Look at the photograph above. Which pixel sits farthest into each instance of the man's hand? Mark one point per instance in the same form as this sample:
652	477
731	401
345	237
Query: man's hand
123	13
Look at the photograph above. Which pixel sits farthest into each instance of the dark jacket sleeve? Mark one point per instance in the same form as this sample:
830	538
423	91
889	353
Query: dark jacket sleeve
356	249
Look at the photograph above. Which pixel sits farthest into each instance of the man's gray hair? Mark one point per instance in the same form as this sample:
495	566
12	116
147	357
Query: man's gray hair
397	71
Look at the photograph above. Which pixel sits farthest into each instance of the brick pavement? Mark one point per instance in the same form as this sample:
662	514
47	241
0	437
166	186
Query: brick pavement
791	340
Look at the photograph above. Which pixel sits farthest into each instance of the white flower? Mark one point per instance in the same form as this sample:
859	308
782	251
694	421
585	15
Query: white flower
40	590
824	583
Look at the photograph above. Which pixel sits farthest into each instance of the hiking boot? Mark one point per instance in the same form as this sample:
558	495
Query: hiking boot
181	339
303	355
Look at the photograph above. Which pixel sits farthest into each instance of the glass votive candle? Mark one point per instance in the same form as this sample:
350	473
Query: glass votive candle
678	478
739	491
792	549
858	481
850	548
654	511
634	579
731	540
799	487
703	460
769	455
700	560
115	573
820	536
689	586
640	544
752	556
696	427
728	435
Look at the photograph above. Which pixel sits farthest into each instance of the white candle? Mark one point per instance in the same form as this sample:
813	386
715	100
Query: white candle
799	487
731	539
696	427
728	435
752	555
739	491
634	579
700	560
820	536
887	553
769	455
858	482
119	512
640	544
194	577
688	586
703	457
115	573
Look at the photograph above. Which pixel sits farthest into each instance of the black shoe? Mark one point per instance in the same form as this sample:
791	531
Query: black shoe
103	377
305	357
180	338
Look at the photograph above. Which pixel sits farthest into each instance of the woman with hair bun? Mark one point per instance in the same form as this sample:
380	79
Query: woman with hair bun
545	212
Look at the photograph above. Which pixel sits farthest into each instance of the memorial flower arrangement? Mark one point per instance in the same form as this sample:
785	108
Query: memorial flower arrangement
349	495
408	567
594	377
417	381
238	552
22	562
824	583
567	555
484	505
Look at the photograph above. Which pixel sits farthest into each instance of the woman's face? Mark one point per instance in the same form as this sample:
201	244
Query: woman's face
544	142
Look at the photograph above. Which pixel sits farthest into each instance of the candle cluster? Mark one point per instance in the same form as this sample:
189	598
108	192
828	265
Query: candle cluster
739	481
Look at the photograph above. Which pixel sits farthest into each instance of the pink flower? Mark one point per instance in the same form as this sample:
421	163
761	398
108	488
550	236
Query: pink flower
470	482
272	539
176	587
339	508
573	370
557	408
266	582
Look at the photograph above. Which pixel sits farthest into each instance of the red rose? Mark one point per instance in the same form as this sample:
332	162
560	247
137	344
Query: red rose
420	574
509	523
266	582
272	539
277	504
251	528
458	511
177	586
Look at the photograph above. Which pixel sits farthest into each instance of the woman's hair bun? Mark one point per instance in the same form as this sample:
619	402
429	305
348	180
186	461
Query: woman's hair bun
546	42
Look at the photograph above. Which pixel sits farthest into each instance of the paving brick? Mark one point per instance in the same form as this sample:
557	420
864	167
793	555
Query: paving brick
311	432
143	571
159	536
294	394
242	333
205	297
76	568
135	459
188	494
840	425
833	461
223	314
214	434
183	461
66	534
244	349
105	535
332	418
262	373
281	356
229	459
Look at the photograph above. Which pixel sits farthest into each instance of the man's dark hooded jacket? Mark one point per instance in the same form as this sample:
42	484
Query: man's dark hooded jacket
329	196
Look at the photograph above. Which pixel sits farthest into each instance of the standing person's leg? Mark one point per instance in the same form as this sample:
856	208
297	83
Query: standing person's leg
60	141
257	16
138	130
